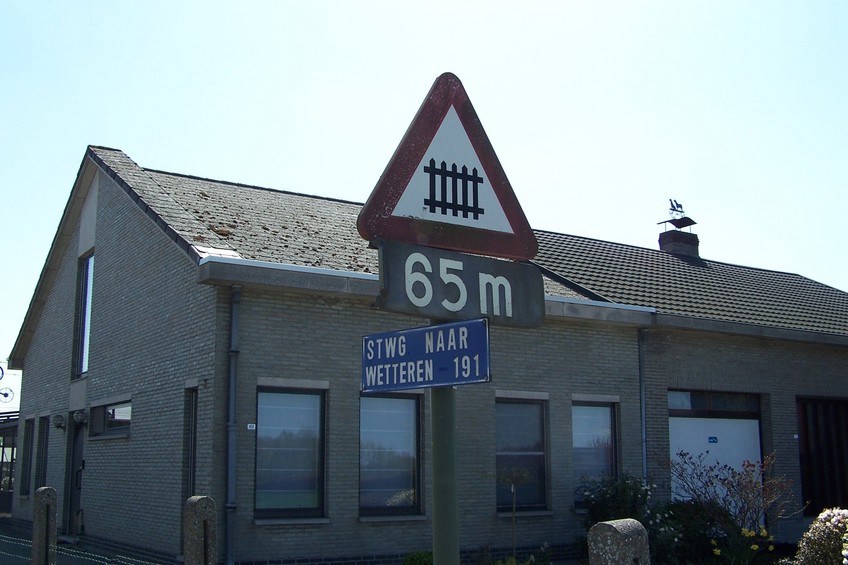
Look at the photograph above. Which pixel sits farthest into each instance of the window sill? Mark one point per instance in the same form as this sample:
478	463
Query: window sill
406	518
103	437
289	521
526	514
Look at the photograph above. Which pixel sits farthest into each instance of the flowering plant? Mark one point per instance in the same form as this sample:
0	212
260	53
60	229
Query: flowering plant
626	496
736	501
845	548
743	546
823	542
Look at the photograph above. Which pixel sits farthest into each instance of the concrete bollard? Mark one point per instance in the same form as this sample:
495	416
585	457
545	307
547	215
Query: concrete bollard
200	531
44	527
619	542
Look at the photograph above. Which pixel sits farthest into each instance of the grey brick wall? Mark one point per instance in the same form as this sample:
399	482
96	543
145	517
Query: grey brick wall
153	328
298	336
778	371
156	330
47	371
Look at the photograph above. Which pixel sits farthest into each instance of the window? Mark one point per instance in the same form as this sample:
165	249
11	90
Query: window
521	456
111	419
711	404
82	335
289	454
41	452
593	441
8	456
26	461
190	442
389	474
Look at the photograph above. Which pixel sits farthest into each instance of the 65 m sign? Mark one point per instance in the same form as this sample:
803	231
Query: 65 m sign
446	285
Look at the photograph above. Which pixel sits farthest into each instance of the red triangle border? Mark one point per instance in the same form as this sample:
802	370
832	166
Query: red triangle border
375	221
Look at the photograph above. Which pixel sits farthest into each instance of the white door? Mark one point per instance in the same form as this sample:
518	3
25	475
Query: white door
729	441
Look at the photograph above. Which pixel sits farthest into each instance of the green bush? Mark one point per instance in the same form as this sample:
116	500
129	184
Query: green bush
735	503
696	529
845	547
625	496
513	561
822	542
419	558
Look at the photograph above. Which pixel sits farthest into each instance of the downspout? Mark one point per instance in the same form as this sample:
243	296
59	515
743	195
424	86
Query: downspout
235	301
642	404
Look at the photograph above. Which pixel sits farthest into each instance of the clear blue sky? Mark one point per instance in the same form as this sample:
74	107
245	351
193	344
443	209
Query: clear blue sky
599	111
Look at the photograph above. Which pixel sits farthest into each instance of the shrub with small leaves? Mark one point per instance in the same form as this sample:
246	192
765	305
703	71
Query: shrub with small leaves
697	530
744	546
625	496
419	558
823	542
513	561
845	548
735	502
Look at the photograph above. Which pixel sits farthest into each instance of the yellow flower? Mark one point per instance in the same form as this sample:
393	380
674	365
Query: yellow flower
755	547
763	533
712	541
771	548
716	551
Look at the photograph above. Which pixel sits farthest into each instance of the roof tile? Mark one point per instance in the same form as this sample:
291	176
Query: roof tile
285	227
692	286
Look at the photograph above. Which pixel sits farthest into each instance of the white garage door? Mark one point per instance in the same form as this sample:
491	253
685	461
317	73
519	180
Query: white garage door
729	441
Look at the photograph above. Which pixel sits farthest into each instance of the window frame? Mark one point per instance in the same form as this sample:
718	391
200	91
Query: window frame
416	508
319	510
82	326
190	429
612	409
713	404
41	447
99	421
26	459
540	400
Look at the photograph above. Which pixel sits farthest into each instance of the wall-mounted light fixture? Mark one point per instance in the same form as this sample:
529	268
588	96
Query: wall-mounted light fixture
59	422
80	417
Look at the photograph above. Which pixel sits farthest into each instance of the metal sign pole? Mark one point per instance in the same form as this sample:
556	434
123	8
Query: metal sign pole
483	219
445	506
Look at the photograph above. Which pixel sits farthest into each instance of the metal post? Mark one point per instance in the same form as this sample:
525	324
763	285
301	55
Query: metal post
445	506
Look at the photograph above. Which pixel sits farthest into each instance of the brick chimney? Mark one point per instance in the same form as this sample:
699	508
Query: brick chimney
679	242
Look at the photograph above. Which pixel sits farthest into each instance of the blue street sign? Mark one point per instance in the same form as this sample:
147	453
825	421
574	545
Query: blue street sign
430	356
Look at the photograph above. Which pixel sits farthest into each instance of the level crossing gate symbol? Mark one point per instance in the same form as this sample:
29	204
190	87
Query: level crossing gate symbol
445	187
458	199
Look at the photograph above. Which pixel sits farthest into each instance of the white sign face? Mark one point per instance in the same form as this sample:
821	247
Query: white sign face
450	185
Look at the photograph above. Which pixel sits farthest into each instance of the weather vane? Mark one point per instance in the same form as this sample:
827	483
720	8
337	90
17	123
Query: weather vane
676	209
679	219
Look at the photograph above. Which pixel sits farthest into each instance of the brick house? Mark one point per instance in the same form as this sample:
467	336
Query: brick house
215	349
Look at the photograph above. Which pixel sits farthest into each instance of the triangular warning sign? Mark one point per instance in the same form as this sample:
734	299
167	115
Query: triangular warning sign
444	186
